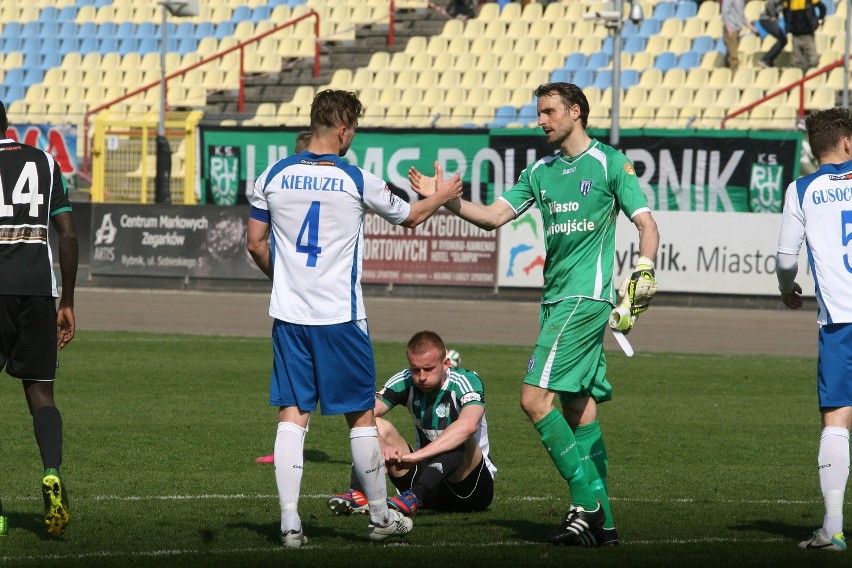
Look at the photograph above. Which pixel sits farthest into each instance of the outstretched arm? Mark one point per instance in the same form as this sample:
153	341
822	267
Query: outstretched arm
443	191
488	217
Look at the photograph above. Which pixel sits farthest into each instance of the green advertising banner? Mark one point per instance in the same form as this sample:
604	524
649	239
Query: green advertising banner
679	170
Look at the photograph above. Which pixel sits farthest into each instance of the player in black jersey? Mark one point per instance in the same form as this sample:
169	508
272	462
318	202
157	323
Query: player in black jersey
450	468
32	195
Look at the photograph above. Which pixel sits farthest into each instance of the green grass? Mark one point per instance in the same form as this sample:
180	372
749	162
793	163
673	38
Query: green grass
712	463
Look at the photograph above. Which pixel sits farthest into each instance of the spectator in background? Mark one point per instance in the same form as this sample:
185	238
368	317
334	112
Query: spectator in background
733	16
302	140
803	18
768	19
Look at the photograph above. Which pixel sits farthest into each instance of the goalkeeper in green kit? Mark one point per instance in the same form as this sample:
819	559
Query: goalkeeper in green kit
579	191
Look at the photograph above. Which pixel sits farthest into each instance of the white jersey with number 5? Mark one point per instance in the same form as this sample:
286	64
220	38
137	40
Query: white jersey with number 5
315	205
818	211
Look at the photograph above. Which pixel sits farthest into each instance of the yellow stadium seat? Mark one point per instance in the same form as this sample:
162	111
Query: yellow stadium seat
688	115
753	9
672	27
415	45
697	77
708	10
518	28
489	11
651	77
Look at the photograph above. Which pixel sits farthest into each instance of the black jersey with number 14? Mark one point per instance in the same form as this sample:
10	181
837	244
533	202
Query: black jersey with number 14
32	190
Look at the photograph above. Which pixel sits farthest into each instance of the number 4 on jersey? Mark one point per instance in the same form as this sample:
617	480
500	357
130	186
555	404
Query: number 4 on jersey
25	192
311	226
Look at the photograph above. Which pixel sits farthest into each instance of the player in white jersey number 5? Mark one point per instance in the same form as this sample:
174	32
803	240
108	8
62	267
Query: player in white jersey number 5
818	212
579	191
306	233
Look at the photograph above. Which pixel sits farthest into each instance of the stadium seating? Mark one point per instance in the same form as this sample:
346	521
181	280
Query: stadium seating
492	62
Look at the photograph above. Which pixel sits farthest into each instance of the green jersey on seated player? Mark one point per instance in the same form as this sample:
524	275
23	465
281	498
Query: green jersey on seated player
449	469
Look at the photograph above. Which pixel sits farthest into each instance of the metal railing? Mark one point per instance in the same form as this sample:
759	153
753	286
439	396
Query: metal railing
86	173
799	84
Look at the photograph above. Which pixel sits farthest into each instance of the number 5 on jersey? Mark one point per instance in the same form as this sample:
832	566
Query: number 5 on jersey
310	226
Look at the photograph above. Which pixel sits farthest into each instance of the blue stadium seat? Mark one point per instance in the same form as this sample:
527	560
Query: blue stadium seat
576	60
86	29
224	29
635	44
629	30
68	44
49	14
126	29
107	44
31	30
128	44
50	57
68	30
261	13
12	29
14	76
607	45
629	78
649	27
528	113
561	75
88	44
32	76
665	61
688	60
14	93
721	47
583	78
503	116
240	14
9	44
50	28
664	11
186	45
204	29
147	29
598	60
603	79
686	9
106	30
67	14
185	29
149	45
702	44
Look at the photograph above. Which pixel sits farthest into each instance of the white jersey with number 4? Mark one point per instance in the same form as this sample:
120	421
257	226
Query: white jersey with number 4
818	211
315	205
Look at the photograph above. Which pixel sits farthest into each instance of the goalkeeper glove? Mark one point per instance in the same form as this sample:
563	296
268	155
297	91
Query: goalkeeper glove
636	293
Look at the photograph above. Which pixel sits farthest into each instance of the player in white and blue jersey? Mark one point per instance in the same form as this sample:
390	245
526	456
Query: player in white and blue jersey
818	212
306	233
449	468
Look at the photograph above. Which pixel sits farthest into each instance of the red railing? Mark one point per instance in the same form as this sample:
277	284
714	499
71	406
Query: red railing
800	84
241	96
391	23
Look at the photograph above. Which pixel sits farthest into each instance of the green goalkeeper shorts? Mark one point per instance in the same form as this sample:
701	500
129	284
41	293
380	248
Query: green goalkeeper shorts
569	356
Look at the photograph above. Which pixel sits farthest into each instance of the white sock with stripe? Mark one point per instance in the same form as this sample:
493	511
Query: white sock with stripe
833	473
370	469
289	465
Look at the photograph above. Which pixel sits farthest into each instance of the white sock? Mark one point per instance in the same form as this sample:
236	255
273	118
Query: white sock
289	464
833	473
370	471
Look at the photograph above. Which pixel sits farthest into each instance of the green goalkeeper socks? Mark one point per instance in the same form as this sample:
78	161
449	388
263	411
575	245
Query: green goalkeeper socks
559	441
593	455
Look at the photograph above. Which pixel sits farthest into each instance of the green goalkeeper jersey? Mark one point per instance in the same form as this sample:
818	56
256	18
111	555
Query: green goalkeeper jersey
579	199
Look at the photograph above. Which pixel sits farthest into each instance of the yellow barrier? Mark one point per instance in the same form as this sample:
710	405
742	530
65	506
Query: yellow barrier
124	157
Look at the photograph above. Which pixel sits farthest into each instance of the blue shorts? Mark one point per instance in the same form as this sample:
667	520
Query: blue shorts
834	367
329	364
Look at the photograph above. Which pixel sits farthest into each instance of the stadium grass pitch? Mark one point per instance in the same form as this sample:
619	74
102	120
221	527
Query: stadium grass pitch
713	463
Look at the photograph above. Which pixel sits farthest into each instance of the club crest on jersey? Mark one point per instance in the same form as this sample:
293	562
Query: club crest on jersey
585	186
443	410
531	364
841	177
